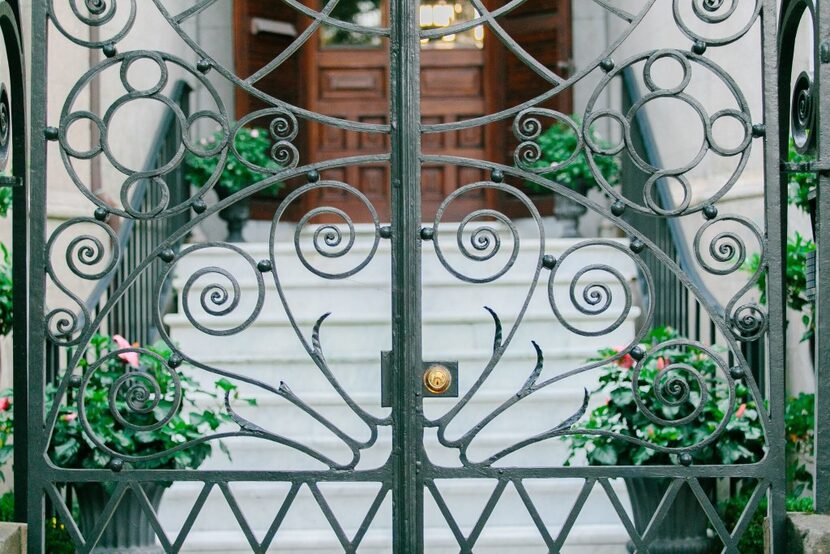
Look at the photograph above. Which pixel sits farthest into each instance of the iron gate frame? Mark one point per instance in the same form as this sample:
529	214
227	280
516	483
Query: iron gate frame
409	470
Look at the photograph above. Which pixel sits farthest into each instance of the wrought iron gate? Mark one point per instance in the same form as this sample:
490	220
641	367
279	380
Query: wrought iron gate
127	250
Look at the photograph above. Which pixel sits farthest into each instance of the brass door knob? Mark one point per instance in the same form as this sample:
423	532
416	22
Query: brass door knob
437	379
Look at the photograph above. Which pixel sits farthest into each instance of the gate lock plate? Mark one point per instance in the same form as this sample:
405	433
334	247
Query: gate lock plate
438	379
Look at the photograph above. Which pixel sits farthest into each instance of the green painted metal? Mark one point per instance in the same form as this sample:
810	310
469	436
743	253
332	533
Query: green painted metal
132	288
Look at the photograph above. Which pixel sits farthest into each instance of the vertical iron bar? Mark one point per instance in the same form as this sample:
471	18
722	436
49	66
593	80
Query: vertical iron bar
20	248
37	281
407	500
775	216
821	489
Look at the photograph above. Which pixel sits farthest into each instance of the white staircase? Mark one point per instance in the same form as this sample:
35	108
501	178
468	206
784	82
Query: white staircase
456	327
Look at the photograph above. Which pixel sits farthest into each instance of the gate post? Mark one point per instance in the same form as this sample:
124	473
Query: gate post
775	214
36	339
405	118
821	103
16	122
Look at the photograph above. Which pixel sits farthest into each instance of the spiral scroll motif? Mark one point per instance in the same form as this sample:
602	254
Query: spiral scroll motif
485	241
673	386
96	13
527	127
596	297
215	298
88	258
134	398
328	240
712	13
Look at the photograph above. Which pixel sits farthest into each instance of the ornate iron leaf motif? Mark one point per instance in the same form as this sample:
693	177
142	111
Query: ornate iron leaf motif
489	248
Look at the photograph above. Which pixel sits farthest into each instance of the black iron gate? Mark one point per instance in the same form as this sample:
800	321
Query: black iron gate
127	249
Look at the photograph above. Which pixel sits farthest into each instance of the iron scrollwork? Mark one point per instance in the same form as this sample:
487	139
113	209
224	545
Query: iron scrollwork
596	301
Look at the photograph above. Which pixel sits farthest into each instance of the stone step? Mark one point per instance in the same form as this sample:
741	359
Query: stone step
259	455
370	297
259	503
583	539
355	333
354	371
532	415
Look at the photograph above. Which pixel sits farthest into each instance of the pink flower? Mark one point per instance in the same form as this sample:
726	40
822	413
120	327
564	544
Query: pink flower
5	404
69	417
740	411
131	358
661	363
626	362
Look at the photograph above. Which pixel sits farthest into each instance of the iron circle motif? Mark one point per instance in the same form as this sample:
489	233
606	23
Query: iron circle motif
156	175
689	64
5	126
712	13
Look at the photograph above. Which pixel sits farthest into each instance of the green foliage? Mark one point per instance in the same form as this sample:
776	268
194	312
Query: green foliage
798	248
56	537
5	201
6	428
6	290
800	184
799	422
752	541
72	448
557	144
741	442
254	146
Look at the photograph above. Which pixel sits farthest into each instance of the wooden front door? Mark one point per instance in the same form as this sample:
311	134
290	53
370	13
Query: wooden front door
345	75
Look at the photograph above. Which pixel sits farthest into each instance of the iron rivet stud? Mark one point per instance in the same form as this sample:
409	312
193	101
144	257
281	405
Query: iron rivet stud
167	255
75	381
175	360
607	64
199	206
736	372
759	130
427	233
497	176
385	232
686	459
204	65
618	208
101	214
548	262
51	133
264	266
699	47
824	52
116	465
710	212
638	353
110	50
313	176
637	246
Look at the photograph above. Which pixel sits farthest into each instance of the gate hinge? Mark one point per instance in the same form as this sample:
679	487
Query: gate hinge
805	167
10	181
